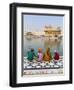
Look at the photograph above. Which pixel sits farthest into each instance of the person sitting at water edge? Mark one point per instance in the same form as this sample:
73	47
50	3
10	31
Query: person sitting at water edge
30	54
47	55
40	54
56	56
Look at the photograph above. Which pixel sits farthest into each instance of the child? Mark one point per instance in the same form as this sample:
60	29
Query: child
47	55
31	54
40	54
56	56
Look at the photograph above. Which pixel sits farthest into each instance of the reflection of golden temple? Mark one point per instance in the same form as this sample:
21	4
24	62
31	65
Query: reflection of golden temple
52	31
29	33
52	43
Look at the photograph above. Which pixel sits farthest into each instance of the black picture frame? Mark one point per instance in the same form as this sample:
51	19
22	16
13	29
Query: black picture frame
13	43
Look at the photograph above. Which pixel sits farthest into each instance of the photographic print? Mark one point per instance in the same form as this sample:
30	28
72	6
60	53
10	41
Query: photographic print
40	44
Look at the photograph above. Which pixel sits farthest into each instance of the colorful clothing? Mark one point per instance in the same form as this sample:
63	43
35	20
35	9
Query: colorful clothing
56	56
40	56
30	55
47	55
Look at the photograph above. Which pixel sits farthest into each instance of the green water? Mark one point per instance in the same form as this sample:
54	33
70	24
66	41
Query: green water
42	43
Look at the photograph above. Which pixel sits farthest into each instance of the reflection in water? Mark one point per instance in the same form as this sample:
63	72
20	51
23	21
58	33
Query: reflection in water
43	42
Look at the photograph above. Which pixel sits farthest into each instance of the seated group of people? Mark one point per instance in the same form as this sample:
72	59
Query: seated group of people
46	56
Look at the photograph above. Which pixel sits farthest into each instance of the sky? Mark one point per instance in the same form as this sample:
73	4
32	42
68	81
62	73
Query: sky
38	22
